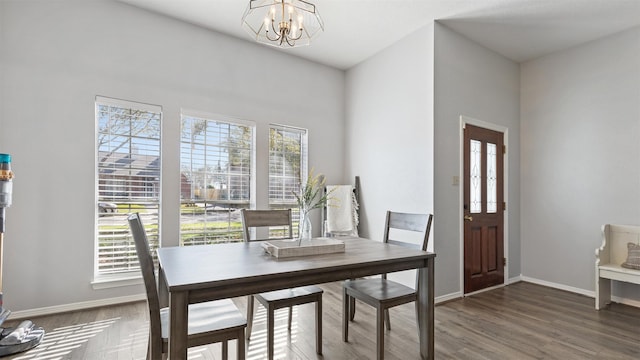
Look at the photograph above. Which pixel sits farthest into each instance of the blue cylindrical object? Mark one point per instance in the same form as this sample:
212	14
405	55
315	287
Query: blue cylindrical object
6	185
5	162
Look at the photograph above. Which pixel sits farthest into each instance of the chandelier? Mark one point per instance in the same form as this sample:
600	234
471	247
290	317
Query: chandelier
282	23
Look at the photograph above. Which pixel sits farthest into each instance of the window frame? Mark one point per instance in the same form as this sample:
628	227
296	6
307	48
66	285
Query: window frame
250	203
130	272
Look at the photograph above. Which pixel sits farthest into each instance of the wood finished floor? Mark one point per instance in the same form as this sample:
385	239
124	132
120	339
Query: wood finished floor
520	321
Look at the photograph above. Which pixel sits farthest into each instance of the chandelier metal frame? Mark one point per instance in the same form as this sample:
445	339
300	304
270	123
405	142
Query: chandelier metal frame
282	23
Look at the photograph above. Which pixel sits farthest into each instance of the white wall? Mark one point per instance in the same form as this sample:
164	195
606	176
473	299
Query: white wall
580	156
56	56
579	111
389	132
473	81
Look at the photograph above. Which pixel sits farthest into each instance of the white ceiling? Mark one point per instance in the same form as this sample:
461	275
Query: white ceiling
357	29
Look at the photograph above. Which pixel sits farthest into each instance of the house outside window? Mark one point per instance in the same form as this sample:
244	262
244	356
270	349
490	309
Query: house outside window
288	152
128	180
216	177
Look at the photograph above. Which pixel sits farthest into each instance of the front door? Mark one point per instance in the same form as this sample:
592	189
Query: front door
483	208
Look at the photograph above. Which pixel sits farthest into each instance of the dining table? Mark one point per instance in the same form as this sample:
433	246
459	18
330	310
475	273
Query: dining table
194	274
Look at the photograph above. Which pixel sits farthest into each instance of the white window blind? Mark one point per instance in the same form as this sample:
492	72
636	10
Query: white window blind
216	172
287	167
128	180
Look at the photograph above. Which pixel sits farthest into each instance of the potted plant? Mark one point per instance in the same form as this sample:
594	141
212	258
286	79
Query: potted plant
310	197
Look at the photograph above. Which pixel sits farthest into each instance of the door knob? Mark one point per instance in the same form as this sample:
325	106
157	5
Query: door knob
468	217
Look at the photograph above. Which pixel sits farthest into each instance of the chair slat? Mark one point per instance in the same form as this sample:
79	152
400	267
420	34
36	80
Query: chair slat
411	222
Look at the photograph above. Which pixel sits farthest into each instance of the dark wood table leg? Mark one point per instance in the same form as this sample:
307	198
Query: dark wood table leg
426	310
163	292
179	307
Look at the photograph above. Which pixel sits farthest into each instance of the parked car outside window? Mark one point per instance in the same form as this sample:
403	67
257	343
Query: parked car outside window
107	207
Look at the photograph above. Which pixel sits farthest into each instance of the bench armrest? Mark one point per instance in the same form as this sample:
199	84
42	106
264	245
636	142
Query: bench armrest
603	252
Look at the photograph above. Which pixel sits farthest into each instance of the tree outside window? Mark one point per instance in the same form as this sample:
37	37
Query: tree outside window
128	180
216	174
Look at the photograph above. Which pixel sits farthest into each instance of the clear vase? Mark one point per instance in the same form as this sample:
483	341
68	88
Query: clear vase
304	230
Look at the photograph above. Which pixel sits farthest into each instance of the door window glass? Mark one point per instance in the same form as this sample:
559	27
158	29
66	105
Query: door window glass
475	180
492	191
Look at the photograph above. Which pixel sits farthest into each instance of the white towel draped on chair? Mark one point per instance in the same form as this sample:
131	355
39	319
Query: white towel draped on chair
342	211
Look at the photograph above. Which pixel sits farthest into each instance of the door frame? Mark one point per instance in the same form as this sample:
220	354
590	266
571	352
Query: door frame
499	128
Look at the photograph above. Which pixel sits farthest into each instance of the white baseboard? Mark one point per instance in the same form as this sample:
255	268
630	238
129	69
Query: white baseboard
75	306
452	296
630	302
17	315
459	294
589	293
514	280
141	297
572	289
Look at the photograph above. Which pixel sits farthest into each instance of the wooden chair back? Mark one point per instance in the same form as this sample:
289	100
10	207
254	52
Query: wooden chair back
409	222
148	274
262	218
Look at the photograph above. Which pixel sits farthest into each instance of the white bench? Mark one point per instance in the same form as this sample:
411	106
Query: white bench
609	256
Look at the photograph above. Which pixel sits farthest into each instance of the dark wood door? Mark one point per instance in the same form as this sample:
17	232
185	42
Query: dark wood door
483	208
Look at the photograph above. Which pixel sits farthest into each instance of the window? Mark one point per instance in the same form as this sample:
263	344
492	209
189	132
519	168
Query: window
287	168
475	181
476	176
216	174
128	180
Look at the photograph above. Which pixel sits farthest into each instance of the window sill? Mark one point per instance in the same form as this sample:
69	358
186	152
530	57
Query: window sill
108	282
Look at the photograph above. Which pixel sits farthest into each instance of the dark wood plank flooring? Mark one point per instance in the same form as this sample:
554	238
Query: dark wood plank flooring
520	321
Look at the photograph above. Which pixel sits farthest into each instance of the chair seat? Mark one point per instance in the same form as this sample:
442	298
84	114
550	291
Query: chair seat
378	289
288	294
207	317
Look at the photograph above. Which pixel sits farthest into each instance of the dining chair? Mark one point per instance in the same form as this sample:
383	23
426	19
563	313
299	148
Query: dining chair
208	322
382	293
279	299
